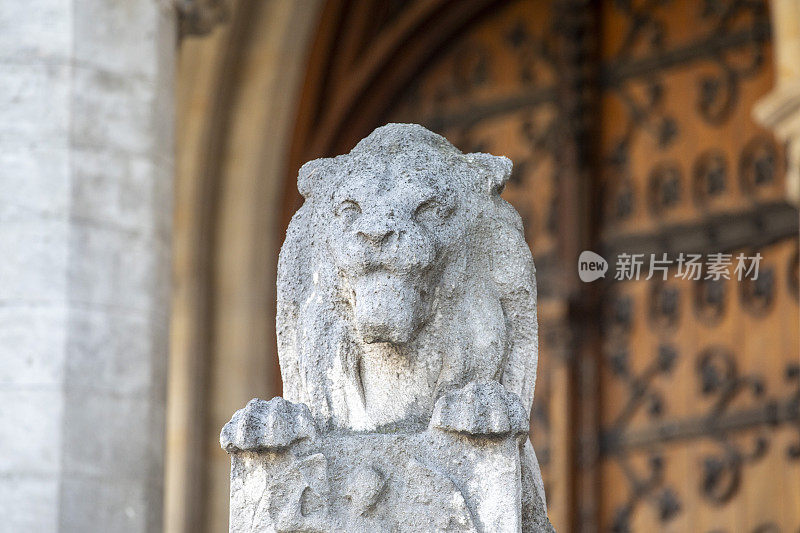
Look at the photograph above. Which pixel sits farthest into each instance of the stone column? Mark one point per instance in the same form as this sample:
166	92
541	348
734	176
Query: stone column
86	162
780	110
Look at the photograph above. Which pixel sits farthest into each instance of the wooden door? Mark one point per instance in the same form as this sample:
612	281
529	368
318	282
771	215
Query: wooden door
671	405
698	379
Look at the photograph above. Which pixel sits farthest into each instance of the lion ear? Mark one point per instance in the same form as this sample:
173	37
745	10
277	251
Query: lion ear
309	176
498	170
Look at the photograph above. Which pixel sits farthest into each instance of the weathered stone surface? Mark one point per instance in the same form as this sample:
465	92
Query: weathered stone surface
267	426
480	409
407	326
428	481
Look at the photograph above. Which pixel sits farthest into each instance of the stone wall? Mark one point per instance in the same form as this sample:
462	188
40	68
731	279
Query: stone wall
85	220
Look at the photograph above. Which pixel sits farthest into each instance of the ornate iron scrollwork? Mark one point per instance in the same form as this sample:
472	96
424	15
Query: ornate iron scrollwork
709	300
618	315
531	52
719	91
793	274
792	409
710	176
642	393
625	200
647	487
758	294
758	164
768	527
735	46
719	379
764	224
665	305
665	187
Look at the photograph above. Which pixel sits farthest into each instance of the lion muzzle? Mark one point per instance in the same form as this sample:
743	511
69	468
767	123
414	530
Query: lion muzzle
387	307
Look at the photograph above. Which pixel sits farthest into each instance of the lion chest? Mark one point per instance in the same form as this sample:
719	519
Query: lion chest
396	386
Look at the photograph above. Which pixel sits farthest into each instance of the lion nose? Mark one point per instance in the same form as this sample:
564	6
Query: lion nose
376	235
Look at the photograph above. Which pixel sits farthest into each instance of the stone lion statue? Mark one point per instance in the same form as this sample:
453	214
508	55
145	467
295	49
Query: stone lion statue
407	293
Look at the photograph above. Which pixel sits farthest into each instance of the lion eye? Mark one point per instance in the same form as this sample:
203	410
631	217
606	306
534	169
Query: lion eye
432	209
348	208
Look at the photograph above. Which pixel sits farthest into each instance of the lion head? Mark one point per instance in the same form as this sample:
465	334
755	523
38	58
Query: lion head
403	267
394	224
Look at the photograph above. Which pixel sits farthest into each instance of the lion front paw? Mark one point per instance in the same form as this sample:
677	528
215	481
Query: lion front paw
267	425
480	408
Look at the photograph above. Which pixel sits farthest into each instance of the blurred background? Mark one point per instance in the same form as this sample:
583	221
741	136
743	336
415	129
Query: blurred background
139	136
660	405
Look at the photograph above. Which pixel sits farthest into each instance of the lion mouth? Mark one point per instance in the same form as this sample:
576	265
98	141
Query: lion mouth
387	308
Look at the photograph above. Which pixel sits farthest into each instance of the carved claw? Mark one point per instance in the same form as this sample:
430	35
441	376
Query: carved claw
480	408
267	425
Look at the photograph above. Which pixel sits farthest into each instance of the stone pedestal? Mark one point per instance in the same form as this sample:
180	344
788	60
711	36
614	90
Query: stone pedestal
429	481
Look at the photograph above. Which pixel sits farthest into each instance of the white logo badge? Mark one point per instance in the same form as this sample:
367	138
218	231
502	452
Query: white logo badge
591	266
